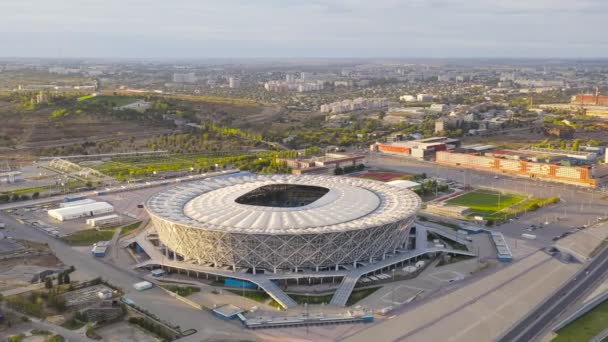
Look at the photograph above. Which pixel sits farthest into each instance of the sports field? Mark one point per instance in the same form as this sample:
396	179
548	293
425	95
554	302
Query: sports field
485	203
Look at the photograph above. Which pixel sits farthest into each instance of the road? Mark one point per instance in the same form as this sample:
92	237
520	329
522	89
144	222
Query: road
537	322
154	300
117	189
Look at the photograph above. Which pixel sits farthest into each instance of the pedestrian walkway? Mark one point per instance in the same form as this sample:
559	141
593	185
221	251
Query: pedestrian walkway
349	281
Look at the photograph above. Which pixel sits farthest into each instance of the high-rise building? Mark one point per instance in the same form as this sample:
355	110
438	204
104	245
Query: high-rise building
289	78
184	78
234	82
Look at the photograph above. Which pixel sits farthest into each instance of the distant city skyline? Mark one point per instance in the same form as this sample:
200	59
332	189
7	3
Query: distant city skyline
304	29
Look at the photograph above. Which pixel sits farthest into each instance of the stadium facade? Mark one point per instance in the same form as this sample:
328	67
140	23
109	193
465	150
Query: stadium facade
284	222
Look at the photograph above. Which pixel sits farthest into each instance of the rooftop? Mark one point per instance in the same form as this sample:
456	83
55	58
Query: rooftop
348	203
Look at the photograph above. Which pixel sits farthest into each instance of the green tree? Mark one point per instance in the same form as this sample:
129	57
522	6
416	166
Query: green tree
48	283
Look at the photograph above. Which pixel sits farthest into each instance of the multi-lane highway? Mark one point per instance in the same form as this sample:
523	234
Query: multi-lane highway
537	322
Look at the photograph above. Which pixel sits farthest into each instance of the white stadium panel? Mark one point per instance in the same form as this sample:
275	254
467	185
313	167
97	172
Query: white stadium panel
284	221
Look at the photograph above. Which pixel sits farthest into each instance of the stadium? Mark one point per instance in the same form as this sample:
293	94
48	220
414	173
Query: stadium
283	222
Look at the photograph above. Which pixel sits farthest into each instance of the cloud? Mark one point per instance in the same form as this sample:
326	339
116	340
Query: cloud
197	28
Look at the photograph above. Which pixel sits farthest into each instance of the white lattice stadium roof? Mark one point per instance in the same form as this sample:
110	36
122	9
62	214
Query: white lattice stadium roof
350	204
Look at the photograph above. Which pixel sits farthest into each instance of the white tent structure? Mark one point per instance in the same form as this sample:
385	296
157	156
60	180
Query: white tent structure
85	210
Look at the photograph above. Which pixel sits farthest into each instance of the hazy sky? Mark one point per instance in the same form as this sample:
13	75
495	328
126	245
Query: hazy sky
303	28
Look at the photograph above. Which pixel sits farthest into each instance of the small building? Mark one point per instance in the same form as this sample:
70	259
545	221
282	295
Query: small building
227	311
86	210
10	177
104	220
558	131
100	248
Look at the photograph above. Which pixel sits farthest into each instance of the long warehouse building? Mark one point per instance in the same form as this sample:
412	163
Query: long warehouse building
85	210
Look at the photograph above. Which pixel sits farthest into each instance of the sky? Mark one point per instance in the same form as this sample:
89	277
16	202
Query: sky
304	28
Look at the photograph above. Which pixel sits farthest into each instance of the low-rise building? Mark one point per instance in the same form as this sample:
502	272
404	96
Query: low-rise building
321	164
85	210
420	149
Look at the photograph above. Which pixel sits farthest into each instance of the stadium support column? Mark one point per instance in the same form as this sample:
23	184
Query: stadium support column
253	270
274	270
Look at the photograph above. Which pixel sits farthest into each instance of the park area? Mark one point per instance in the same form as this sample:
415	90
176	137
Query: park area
496	206
146	166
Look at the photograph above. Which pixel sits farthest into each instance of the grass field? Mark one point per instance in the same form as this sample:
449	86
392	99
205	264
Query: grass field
89	236
126	168
586	327
358	295
130	228
485	203
183	291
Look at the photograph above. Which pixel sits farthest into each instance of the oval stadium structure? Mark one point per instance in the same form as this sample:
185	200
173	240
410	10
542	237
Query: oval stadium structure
283	222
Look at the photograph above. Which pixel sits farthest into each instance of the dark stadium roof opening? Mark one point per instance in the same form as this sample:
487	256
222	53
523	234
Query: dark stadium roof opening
283	195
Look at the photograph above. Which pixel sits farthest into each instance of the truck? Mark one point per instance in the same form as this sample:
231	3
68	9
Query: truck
142	286
528	236
2	225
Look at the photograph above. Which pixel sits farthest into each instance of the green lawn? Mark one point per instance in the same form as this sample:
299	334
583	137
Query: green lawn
117	101
358	295
73	324
301	299
135	167
183	291
89	236
130	228
485	203
586	327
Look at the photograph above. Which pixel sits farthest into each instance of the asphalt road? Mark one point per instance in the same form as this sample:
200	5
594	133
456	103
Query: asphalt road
537	322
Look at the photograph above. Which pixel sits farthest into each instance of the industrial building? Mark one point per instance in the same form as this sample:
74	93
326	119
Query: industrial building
10	177
85	210
580	175
320	164
420	149
284	222
104	220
